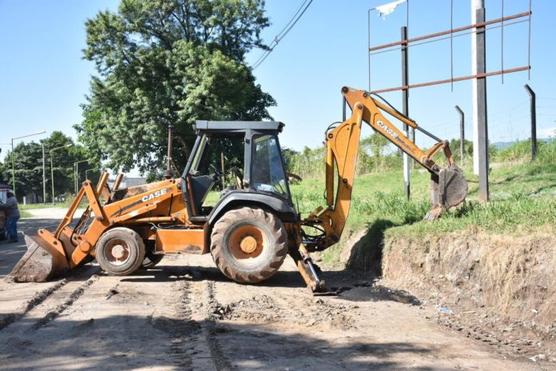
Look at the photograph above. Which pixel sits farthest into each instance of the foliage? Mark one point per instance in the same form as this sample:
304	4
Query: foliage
521	151
373	157
28	161
168	62
467	149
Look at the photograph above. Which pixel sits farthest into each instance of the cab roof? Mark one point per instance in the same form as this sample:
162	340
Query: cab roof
202	126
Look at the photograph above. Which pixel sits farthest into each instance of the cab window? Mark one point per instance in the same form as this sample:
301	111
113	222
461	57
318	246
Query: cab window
267	174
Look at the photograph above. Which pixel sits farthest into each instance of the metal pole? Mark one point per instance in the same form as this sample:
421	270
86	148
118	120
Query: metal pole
533	97
52	176
76	174
13	168
368	46
405	108
43	176
343	109
481	103
461	132
87	171
475	5
168	173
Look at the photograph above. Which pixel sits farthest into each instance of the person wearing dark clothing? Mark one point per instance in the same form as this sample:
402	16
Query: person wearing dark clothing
12	216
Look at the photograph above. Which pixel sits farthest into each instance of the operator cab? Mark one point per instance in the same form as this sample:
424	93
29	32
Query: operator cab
231	157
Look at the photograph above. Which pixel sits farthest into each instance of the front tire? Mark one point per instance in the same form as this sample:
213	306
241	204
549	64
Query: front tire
249	245
120	251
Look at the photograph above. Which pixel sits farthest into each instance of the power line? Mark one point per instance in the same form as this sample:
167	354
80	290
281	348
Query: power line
287	28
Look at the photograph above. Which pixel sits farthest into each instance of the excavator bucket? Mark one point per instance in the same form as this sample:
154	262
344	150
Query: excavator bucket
40	263
448	189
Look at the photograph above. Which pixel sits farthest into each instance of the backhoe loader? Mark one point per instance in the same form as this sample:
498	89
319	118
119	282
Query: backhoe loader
253	224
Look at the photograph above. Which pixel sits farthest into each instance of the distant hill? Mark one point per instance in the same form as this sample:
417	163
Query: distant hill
502	145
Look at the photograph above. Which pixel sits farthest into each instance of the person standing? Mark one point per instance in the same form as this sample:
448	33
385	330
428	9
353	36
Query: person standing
12	216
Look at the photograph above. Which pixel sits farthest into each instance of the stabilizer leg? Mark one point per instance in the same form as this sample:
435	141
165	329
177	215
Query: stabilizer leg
308	271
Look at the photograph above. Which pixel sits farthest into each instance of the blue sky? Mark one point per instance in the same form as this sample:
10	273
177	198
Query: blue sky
43	78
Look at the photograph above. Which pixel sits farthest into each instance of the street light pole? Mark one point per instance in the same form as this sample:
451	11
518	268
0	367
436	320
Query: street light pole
52	167
76	174
43	176
13	157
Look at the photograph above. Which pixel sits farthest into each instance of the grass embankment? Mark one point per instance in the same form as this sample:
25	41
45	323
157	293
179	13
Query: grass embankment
523	199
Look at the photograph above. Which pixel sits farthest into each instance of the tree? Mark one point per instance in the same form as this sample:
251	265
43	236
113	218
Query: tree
28	166
168	61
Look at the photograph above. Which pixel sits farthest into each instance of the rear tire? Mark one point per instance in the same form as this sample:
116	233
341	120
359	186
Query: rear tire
120	251
248	244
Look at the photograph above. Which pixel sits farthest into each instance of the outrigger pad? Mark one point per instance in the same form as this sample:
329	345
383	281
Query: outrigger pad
38	264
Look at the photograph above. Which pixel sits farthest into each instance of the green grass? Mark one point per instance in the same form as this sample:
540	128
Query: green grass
42	206
523	199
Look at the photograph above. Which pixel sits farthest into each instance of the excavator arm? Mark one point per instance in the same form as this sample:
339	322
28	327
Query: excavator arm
448	186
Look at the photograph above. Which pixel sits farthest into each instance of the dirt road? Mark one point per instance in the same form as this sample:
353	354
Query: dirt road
185	315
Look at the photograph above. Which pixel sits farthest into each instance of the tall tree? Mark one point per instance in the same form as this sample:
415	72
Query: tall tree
168	61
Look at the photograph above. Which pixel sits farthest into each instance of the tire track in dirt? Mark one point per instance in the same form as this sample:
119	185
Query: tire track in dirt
198	301
74	295
181	329
42	297
45	306
220	361
37	299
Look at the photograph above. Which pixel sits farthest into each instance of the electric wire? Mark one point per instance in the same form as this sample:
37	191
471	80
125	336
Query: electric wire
285	30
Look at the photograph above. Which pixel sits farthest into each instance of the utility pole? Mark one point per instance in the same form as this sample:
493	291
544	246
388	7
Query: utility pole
461	132
405	109
481	104
533	97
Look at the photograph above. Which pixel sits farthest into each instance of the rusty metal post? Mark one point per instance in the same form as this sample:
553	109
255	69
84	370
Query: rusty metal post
461	132
405	109
533	97
481	104
168	172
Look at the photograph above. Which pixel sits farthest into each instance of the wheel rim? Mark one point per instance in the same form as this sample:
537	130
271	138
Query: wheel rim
117	252
246	242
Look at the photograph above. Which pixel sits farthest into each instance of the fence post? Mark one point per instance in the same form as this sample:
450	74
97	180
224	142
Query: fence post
533	98
461	132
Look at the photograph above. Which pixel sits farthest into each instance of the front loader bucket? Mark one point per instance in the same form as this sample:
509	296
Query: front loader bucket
448	189
40	263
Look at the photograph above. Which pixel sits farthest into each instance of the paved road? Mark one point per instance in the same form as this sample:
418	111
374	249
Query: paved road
184	314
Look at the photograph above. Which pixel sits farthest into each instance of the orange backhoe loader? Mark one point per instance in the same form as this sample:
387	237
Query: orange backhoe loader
251	226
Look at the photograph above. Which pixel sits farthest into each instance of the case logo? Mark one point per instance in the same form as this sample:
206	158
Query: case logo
154	195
